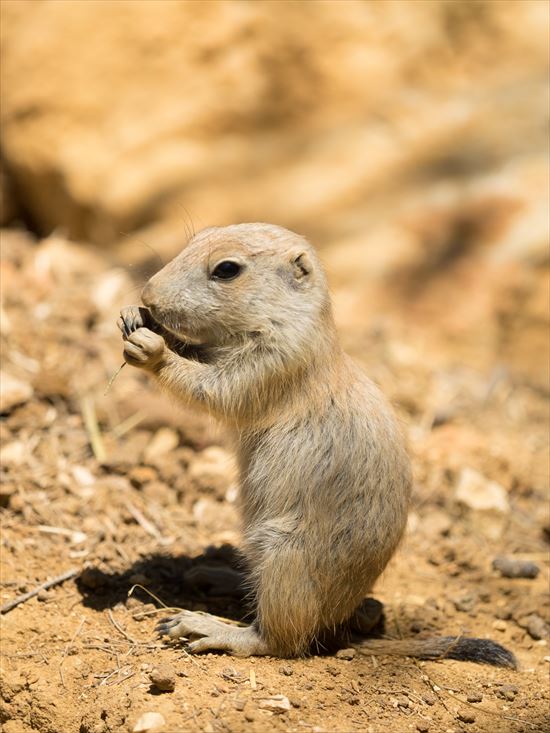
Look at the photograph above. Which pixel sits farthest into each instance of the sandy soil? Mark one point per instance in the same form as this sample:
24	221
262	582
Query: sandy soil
125	489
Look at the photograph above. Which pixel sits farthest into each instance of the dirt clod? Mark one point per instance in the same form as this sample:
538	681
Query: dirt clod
163	677
512	568
149	723
346	654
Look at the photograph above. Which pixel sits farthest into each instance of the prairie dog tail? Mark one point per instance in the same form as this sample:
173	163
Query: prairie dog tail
466	649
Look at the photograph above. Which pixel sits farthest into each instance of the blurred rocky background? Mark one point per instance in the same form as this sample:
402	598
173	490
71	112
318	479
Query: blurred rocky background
409	141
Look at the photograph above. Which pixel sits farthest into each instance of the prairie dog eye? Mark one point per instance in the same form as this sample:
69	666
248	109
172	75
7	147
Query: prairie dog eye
226	270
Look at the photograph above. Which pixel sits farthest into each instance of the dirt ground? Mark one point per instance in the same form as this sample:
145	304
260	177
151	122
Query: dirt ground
126	489
409	142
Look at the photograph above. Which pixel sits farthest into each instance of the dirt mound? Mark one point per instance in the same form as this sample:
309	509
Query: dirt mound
124	490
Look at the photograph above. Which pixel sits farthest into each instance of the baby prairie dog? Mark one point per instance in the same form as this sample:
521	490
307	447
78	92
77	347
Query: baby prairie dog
240	324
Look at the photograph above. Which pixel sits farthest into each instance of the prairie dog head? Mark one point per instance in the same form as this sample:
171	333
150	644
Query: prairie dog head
231	284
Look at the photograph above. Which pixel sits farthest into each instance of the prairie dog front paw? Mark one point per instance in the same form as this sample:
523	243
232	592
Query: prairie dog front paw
133	317
144	348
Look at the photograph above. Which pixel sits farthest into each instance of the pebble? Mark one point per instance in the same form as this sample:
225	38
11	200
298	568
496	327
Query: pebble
507	692
511	568
500	625
163	677
286	670
466	717
475	697
163	441
479	493
149	723
13	391
422	727
346	654
92	578
13	454
537	627
141	475
276	703
466	603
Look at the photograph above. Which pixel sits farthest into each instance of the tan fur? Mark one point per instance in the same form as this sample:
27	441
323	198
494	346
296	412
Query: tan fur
325	478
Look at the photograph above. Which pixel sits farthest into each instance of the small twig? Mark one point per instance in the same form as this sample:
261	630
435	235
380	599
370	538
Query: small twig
92	427
129	424
67	648
143	522
150	593
112	674
35	591
75	536
122	679
115	375
119	628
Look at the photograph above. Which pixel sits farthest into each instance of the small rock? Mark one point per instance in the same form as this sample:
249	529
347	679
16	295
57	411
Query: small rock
276	703
12	454
239	704
429	699
42	595
487	502
346	654
286	670
465	603
164	440
13	391
475	697
511	568
478	493
163	677
466	717
83	476
92	578
500	625
422	727
536	626
149	723
507	692
141	475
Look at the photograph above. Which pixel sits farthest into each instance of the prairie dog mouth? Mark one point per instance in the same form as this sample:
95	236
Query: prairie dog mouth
175	331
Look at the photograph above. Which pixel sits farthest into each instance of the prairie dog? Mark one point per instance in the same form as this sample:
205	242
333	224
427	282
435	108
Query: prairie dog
240	324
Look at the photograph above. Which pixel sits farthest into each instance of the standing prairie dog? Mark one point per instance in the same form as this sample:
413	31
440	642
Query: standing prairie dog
240	324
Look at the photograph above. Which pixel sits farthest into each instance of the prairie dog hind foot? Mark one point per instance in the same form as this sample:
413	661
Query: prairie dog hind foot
207	633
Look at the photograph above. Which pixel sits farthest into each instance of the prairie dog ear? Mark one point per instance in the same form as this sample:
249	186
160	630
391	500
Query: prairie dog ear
302	266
